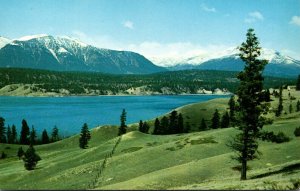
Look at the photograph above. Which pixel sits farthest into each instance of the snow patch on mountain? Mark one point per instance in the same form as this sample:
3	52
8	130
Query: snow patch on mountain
4	41
30	37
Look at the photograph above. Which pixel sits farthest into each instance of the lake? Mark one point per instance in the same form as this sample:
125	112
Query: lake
69	113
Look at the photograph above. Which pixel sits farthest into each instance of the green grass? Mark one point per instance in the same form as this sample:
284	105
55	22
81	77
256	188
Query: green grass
197	160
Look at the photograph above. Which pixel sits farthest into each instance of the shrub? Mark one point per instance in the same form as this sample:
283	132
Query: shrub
297	132
270	136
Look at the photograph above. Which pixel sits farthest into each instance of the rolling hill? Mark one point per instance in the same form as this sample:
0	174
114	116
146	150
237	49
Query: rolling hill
196	160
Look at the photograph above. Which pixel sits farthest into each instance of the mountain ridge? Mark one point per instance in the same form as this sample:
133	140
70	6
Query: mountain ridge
67	54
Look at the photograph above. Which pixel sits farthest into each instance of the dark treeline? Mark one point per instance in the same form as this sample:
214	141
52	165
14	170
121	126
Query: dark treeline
188	81
26	136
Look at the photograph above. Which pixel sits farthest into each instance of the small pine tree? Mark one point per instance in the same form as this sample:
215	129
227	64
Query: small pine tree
215	121
203	125
145	127
24	136
45	137
141	126
225	120
267	96
2	131
85	136
123	126
54	134
280	106
298	83
30	158
298	106
157	127
20	152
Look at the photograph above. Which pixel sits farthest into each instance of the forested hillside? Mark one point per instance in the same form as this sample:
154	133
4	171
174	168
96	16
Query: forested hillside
92	83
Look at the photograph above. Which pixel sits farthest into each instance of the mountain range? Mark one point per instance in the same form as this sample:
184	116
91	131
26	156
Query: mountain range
278	64
69	54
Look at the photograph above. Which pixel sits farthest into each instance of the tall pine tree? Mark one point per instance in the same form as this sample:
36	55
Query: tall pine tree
54	134
215	121
14	134
9	135
250	106
45	137
24	136
225	120
32	136
298	106
231	104
123	126
2	130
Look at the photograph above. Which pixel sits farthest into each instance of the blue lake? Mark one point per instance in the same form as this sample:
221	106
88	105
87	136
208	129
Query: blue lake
69	113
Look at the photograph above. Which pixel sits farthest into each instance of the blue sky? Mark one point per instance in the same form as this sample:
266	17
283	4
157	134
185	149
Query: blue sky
159	28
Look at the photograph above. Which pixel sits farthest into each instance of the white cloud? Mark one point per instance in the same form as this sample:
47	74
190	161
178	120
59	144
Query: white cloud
256	15
295	20
128	24
208	9
253	17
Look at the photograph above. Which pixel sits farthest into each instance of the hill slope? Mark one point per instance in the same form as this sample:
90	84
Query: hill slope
198	160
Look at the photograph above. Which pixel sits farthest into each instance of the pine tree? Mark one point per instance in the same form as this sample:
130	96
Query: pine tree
32	136
54	134
20	152
123	126
225	120
173	122
157	127
30	158
24	137
141	126
164	123
14	134
250	103
181	128
45	137
267	97
298	83
85	136
145	127
231	104
203	125
280	106
9	135
215	121
298	106
2	130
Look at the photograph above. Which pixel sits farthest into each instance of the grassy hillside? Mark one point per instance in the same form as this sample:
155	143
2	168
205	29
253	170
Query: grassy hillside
198	160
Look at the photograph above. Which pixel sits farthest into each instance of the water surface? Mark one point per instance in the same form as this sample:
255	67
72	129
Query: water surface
69	113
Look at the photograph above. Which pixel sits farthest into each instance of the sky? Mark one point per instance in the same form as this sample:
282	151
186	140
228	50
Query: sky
158	28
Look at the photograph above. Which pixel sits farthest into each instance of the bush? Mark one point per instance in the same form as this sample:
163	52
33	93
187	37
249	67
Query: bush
297	132
270	136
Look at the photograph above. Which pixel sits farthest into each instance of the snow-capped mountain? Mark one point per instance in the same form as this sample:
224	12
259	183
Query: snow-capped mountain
228	60
68	54
4	41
